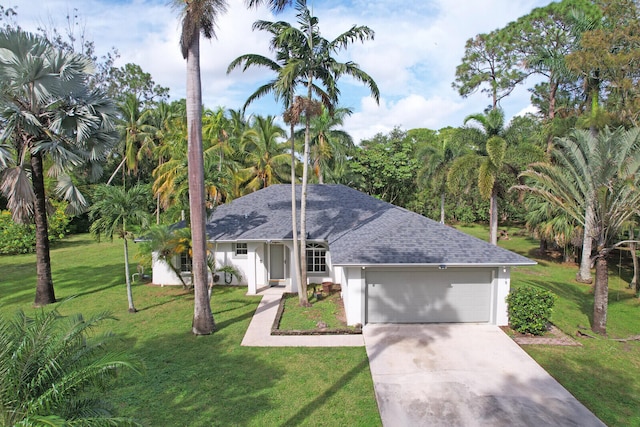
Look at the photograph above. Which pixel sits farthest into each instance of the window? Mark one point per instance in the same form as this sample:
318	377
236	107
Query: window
316	258
240	249
185	263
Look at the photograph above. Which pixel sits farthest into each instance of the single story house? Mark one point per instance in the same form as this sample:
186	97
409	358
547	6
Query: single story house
393	265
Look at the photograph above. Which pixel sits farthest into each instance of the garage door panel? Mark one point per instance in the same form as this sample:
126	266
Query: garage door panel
423	296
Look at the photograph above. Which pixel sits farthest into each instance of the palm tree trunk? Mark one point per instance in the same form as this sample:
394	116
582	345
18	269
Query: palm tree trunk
442	208
44	287
601	296
493	217
584	273
127	273
294	210
203	322
634	257
302	291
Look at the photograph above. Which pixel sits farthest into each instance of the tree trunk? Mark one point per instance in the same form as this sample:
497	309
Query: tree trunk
553	89
294	210
634	258
44	287
127	274
493	217
302	291
442	208
601	296
203	322
584	273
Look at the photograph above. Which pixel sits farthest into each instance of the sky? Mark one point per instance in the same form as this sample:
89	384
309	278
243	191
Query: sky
413	57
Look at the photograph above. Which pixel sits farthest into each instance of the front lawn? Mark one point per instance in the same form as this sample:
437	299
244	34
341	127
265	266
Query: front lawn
212	380
198	381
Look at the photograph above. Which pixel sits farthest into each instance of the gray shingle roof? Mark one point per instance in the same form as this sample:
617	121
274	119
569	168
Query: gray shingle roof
359	229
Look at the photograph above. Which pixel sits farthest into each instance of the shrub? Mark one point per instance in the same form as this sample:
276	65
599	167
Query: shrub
530	309
21	238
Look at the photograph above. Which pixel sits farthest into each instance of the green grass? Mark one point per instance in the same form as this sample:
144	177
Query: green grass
197	381
212	380
327	310
603	374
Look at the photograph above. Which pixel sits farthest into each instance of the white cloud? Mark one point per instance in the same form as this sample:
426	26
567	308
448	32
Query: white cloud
413	58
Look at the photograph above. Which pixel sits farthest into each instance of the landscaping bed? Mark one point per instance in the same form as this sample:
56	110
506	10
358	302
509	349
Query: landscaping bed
325	316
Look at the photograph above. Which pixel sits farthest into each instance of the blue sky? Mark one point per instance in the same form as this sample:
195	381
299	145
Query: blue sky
413	57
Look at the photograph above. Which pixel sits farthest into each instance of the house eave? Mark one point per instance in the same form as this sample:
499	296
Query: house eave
441	265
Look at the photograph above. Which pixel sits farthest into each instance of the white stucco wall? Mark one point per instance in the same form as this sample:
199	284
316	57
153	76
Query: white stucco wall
353	294
502	284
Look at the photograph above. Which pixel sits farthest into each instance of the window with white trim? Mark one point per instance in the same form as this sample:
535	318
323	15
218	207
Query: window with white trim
316	258
185	263
240	249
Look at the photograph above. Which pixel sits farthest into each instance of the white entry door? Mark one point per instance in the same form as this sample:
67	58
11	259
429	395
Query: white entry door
276	262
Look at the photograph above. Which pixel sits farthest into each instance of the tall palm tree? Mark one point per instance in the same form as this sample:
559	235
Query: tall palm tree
608	180
51	365
198	16
48	113
283	87
116	211
487	160
314	60
267	158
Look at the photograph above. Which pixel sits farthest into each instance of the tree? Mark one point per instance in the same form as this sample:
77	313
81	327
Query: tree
608	60
389	166
600	173
266	157
488	61
314	59
541	40
48	113
55	371
283	87
198	16
116	211
329	146
487	159
437	159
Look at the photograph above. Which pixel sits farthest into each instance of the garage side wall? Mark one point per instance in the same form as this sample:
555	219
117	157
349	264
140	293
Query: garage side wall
501	285
353	294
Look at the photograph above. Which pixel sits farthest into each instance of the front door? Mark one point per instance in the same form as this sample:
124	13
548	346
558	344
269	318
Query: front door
276	262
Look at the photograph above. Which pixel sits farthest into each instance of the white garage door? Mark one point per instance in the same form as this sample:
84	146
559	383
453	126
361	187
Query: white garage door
428	295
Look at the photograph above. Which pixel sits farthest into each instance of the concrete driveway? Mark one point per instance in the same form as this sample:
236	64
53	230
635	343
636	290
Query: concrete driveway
463	375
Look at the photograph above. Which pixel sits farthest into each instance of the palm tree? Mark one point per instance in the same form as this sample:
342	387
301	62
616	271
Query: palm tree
313	59
48	113
437	161
487	159
266	157
55	370
114	212
598	173
283	87
329	146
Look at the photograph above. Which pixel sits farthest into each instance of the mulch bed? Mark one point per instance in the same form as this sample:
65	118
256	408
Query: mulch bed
553	336
275	328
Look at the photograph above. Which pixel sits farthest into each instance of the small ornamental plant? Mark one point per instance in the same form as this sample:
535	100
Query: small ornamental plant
530	309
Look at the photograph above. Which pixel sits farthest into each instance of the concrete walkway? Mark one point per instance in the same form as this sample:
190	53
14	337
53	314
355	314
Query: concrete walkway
259	332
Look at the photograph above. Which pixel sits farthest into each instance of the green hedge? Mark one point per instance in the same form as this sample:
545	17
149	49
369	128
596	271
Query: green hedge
21	238
530	309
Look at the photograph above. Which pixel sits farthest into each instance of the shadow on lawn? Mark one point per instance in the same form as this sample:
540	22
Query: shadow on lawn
571	292
199	381
307	411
